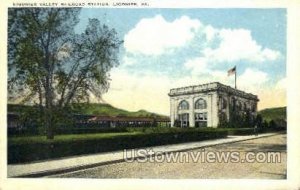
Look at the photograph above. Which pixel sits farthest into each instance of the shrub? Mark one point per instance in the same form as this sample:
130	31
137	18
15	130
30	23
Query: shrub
20	151
240	131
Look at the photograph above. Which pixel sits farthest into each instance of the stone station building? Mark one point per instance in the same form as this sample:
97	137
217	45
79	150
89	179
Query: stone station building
205	105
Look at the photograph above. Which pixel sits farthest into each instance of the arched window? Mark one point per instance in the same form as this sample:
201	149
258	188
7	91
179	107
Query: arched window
200	104
183	105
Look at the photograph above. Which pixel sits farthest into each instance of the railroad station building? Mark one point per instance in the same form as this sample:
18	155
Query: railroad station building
205	105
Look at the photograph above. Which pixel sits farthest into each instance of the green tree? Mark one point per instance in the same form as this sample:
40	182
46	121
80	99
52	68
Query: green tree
52	66
259	121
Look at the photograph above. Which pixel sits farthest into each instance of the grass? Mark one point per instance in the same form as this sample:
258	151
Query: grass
28	149
273	114
94	136
130	132
65	138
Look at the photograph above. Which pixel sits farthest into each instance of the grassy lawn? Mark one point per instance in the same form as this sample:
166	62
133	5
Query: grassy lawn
66	138
130	132
95	136
31	148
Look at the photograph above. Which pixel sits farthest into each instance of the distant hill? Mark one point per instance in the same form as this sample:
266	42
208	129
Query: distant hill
109	110
92	109
273	114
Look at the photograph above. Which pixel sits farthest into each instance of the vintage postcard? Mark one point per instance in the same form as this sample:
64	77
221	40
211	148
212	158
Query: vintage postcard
184	95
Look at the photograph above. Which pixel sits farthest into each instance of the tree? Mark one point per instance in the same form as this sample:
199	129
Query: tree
51	65
259	121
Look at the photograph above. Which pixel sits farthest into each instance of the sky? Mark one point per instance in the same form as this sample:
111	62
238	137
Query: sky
170	48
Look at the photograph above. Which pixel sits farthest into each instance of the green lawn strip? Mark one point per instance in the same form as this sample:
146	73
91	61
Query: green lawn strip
22	149
165	129
66	138
132	132
93	136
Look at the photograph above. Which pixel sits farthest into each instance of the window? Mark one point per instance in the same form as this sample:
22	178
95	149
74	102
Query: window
200	104
184	117
201	116
184	120
183	105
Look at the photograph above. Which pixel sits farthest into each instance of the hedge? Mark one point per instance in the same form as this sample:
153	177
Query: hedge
26	151
240	131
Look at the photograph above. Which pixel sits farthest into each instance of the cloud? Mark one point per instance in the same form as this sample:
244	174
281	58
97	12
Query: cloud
199	51
155	36
252	80
133	92
210	32
149	91
197	65
128	60
238	45
201	71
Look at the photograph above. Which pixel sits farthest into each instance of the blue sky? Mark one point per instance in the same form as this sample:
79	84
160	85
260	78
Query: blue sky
167	48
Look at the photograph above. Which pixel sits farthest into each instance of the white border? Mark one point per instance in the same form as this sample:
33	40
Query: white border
293	103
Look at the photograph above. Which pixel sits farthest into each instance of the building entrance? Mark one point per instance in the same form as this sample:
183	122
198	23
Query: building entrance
201	119
184	120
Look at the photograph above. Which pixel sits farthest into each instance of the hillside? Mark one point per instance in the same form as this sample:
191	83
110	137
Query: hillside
273	113
109	110
91	109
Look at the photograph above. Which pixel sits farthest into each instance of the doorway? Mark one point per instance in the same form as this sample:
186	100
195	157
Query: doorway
201	119
184	120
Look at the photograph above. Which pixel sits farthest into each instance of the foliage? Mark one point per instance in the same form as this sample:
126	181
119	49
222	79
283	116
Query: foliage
259	121
21	149
238	118
273	114
274	118
31	122
52	66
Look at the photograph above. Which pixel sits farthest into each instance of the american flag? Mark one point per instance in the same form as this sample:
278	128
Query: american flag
231	71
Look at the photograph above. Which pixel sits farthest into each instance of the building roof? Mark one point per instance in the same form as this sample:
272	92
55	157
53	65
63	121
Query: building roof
209	87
